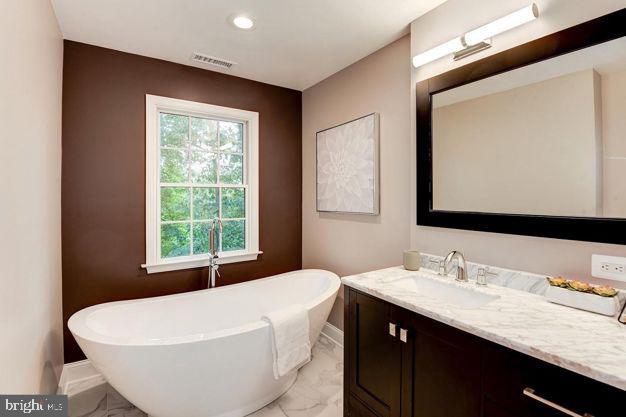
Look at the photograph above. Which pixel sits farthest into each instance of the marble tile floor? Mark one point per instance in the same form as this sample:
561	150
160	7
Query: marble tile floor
101	401
318	392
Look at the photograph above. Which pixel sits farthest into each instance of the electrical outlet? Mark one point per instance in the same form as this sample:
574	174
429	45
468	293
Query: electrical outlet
608	267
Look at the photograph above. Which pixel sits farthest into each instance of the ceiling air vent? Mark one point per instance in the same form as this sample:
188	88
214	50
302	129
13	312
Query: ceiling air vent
211	60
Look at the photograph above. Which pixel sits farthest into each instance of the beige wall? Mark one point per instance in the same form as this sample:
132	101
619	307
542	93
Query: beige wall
348	244
614	138
549	256
521	151
30	173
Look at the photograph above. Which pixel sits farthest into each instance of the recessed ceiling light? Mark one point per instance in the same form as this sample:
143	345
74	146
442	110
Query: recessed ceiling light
243	22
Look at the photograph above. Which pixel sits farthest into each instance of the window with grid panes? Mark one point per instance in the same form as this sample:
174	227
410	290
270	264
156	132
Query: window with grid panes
202	175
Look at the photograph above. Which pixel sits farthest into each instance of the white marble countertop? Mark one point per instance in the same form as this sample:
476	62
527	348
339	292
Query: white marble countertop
586	343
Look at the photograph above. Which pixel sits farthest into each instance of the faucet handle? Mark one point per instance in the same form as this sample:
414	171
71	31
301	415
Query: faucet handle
483	273
441	265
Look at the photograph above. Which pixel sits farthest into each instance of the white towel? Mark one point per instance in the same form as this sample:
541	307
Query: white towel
291	346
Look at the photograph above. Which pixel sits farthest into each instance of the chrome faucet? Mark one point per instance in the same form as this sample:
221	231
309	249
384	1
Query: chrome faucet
461	270
213	256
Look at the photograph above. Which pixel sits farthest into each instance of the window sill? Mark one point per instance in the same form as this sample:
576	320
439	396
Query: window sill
200	262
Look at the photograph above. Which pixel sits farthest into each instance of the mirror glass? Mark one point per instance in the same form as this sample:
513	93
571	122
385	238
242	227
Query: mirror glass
545	139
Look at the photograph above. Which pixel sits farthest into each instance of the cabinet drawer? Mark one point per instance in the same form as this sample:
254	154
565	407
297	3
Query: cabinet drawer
493	410
508	374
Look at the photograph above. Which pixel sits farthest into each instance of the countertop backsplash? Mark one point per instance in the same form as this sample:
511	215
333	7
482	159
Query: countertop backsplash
518	280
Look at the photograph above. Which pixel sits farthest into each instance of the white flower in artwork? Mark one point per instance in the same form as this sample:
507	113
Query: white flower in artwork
346	167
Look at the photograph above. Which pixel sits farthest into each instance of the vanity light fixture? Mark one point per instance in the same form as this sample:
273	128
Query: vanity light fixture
508	22
243	22
478	39
440	51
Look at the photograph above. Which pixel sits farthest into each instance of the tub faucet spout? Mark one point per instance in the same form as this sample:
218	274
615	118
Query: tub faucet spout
213	253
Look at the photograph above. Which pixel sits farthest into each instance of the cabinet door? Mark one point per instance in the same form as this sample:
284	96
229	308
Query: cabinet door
509	376
445	378
374	356
357	409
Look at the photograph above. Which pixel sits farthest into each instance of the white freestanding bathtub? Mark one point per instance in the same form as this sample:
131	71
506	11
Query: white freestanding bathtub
204	353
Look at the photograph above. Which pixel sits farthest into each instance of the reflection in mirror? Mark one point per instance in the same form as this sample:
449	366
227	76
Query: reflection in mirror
545	139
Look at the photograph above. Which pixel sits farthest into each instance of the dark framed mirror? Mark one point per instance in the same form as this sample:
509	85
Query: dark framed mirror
530	141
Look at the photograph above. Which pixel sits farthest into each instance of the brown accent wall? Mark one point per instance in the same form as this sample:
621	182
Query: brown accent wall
103	175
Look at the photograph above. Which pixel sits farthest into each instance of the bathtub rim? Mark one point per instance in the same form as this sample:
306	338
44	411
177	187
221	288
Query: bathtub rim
77	323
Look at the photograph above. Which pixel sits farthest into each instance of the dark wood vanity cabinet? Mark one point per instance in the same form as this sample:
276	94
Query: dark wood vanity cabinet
399	363
393	355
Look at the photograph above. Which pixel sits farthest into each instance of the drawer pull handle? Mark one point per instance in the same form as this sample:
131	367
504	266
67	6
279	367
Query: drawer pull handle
403	335
392	329
529	392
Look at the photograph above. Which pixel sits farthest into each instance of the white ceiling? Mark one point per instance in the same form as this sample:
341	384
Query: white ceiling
295	43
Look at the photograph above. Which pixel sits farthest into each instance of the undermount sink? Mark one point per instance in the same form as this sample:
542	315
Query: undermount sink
448	293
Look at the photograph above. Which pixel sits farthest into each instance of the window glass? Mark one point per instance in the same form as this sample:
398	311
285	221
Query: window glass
231	137
200	161
175	238
233	235
174	130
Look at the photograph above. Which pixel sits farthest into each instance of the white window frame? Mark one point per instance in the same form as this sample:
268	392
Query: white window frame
250	119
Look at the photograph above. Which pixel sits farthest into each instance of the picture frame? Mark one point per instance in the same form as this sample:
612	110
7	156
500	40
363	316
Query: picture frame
347	167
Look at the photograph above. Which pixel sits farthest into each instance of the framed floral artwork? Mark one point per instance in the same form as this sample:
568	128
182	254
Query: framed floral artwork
347	167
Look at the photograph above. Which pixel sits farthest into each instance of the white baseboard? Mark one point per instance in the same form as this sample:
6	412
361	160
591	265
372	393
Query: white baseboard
333	333
81	372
